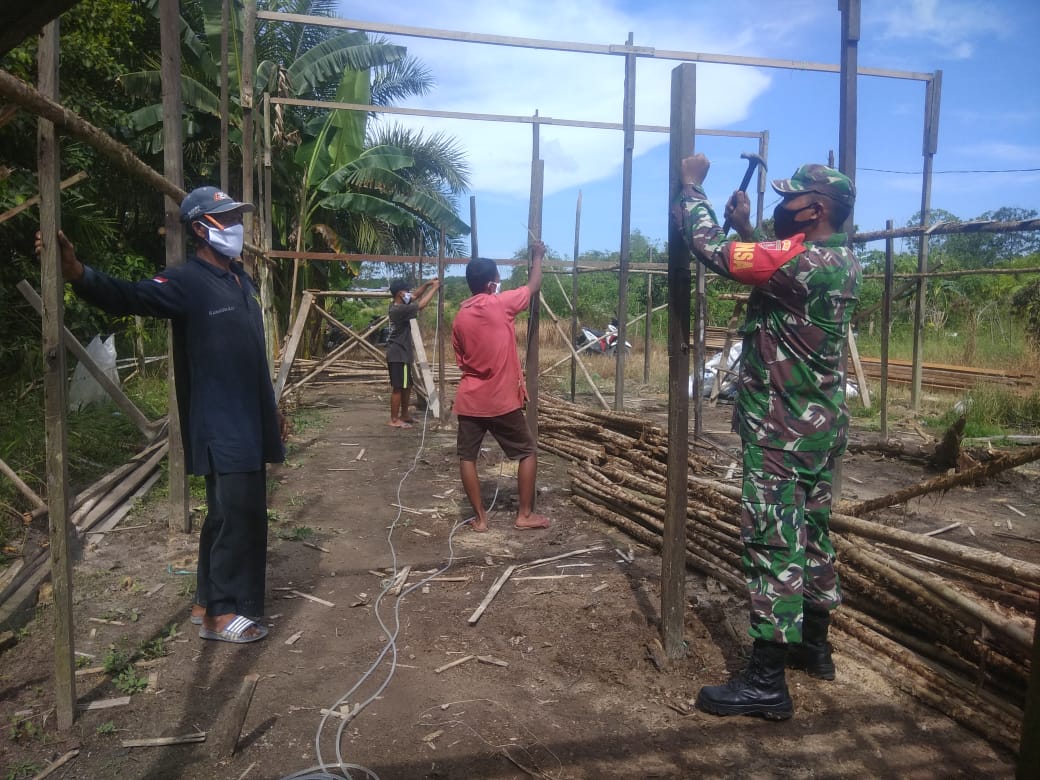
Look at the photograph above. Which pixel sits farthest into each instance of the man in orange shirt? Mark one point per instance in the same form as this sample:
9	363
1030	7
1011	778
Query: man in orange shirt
491	394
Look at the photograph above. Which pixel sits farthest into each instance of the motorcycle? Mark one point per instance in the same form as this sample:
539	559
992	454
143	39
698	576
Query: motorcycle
602	342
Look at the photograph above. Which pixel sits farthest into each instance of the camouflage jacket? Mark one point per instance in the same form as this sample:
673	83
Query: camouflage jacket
791	394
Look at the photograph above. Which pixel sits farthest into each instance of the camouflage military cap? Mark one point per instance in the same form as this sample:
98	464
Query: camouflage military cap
820	179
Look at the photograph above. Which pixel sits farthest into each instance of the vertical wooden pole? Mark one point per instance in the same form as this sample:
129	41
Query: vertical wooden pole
225	92
56	422
629	124
473	250
847	92
1029	747
574	296
648	326
534	226
930	145
442	350
264	268
673	549
886	326
246	79
173	169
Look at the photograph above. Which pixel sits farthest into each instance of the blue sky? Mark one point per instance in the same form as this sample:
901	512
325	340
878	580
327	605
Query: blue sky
990	112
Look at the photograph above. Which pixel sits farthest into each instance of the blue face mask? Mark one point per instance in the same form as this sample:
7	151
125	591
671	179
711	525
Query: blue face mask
228	241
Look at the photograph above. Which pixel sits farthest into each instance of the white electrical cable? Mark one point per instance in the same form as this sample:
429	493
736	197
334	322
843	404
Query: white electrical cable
322	770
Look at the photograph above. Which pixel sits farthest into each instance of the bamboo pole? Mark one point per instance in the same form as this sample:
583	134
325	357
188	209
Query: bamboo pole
55	420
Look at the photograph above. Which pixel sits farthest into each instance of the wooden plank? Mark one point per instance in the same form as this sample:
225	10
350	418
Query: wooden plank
295	334
857	366
442	347
495	588
433	400
187	739
453	664
55	404
56	765
534	229
105	704
229	725
309	597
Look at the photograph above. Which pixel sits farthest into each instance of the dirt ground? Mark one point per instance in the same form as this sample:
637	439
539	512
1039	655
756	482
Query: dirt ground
560	685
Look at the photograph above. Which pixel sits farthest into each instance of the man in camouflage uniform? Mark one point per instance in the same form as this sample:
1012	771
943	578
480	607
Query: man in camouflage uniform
790	413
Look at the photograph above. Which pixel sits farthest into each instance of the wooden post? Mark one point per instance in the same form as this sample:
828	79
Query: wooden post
264	265
473	226
847	92
763	152
246	80
673	541
648	326
225	91
56	422
1029	747
442	349
574	295
886	325
930	146
534	227
173	170
629	122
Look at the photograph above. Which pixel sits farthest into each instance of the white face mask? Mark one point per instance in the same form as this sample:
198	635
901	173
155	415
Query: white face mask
227	242
496	288
406	297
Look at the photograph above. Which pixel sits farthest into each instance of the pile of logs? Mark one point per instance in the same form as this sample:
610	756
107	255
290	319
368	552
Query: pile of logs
954	622
92	513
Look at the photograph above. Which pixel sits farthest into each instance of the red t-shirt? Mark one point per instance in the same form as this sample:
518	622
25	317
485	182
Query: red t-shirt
484	338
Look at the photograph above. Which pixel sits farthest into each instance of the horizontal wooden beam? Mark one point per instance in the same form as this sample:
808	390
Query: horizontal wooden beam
535	119
579	48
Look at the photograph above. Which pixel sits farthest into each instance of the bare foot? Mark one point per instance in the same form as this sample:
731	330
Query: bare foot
531	522
198	611
480	526
399	424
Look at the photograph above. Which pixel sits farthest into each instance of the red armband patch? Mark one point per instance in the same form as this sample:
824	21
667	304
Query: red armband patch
755	263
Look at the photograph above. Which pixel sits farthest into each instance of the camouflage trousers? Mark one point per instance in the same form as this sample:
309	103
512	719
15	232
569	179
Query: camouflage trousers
788	557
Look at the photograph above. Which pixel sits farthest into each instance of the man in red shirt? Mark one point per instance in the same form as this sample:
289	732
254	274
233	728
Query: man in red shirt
491	393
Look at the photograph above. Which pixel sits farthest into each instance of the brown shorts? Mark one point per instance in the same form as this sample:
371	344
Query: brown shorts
510	431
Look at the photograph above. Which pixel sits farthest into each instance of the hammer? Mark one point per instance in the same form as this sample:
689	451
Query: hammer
753	160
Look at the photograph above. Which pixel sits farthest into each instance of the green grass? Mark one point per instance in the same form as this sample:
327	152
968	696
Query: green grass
996	345
992	411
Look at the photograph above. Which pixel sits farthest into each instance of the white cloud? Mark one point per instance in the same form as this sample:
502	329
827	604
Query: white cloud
513	81
953	26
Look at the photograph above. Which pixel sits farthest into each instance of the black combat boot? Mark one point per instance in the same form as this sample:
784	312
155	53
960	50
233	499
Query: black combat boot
758	690
814	653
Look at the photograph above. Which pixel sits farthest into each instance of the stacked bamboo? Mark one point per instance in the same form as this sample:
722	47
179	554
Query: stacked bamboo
949	624
93	512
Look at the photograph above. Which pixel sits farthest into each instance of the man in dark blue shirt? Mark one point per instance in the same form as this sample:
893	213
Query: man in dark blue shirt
231	425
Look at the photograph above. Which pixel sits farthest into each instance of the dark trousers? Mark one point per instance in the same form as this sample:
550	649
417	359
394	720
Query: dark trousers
233	544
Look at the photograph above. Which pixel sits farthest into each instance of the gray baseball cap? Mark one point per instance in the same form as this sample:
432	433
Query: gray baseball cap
210	200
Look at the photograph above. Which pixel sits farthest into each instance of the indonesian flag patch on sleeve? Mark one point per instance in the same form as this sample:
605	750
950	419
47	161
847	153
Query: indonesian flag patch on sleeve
159	279
755	263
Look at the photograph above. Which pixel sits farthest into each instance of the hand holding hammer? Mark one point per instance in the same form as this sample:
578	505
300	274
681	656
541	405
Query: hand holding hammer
740	207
